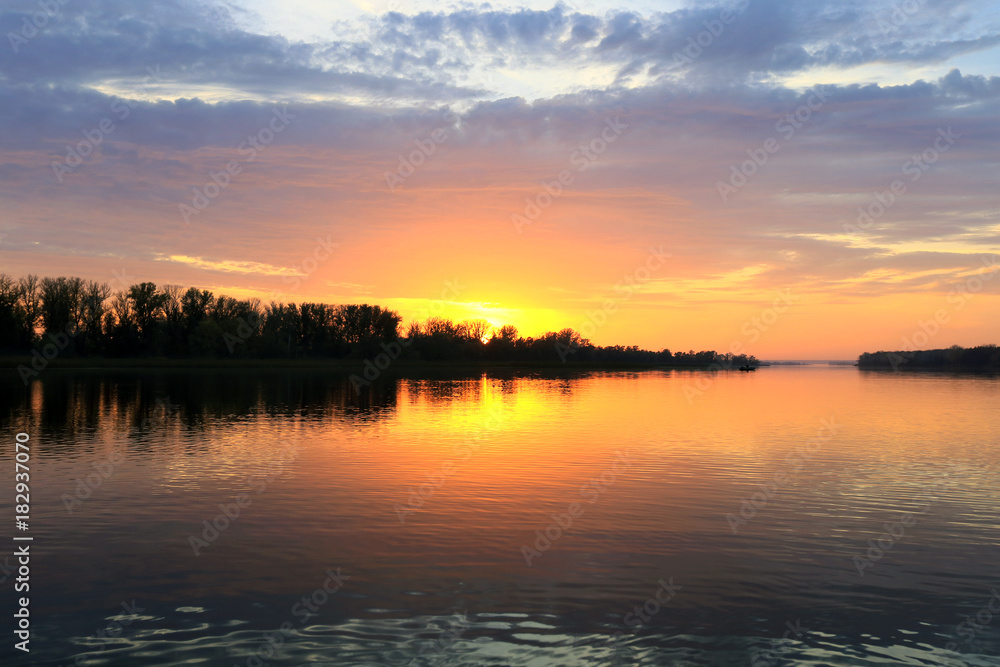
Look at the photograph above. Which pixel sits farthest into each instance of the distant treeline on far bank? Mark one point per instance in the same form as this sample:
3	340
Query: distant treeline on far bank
71	317
981	358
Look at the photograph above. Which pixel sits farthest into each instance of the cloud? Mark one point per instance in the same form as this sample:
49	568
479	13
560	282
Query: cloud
232	266
517	94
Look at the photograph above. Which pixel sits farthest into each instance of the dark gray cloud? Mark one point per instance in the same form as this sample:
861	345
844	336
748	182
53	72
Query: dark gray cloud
382	89
428	55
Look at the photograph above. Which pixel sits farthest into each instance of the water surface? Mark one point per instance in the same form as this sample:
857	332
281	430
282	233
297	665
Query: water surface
406	525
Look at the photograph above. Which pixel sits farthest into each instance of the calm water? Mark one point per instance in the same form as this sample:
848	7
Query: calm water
396	527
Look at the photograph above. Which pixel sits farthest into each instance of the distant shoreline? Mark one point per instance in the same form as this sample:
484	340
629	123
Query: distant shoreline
983	358
11	363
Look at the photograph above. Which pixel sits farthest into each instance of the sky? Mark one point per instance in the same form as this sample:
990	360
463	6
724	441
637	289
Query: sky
796	180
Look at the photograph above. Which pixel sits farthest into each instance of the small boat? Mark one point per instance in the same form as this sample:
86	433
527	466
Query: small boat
748	368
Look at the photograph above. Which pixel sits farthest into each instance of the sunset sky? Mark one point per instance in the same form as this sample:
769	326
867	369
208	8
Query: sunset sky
405	154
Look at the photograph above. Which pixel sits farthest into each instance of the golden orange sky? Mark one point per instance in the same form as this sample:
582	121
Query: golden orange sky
435	182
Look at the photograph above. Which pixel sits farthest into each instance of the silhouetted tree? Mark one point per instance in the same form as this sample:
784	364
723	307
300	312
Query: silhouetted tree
980	358
11	327
123	333
144	320
29	308
195	306
90	336
506	333
147	306
61	304
173	334
474	330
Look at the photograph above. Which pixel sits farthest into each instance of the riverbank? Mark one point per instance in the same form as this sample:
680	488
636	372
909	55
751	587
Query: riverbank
13	363
983	358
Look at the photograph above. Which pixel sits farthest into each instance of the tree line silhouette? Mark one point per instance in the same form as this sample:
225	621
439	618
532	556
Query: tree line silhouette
74	317
980	358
